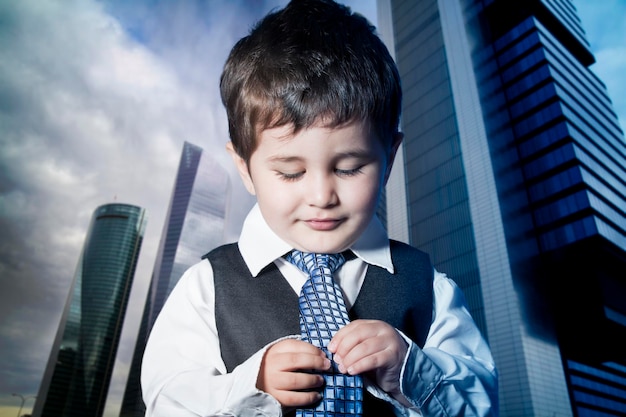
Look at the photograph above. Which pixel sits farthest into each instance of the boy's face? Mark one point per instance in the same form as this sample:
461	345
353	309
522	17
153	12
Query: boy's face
318	189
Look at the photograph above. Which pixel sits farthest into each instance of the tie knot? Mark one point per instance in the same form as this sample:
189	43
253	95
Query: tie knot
310	262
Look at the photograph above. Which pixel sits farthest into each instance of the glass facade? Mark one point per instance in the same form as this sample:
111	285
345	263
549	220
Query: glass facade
76	379
194	225
514	165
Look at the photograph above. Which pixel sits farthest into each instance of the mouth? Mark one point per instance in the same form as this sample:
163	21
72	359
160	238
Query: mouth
323	224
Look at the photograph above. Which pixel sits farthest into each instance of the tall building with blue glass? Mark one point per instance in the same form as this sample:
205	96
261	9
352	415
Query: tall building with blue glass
76	379
513	177
194	225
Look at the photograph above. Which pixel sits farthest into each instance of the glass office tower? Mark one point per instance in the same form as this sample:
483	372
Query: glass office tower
515	171
76	379
194	225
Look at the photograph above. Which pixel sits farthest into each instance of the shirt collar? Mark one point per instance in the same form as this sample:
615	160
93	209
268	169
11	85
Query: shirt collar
260	246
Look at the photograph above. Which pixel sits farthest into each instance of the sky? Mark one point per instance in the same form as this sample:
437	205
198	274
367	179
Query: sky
96	100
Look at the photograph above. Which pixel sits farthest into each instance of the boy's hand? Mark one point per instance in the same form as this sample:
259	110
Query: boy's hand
284	373
371	346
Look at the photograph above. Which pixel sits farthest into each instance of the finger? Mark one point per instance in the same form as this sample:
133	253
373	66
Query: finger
361	360
296	389
275	380
297	399
374	354
368	345
356	353
292	354
295	361
339	337
352	334
297	381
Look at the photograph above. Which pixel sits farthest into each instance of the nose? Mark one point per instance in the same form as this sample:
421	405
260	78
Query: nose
321	191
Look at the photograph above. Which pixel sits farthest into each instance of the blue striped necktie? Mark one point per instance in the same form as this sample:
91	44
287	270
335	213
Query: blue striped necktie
322	313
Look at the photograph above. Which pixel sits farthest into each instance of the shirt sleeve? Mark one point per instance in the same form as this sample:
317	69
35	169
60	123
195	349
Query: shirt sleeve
454	374
183	373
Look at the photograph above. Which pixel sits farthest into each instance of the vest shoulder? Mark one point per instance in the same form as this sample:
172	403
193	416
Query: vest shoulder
401	249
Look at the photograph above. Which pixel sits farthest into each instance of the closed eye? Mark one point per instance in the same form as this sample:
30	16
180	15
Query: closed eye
285	176
349	172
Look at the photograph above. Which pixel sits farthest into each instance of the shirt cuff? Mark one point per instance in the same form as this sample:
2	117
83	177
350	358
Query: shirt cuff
412	354
420	377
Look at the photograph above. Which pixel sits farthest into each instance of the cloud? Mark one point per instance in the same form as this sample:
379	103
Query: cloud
88	115
96	100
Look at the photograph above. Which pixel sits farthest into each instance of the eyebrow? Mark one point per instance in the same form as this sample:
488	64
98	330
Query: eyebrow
280	158
358	154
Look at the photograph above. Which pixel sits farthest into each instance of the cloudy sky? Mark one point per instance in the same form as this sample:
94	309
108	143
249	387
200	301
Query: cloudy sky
96	100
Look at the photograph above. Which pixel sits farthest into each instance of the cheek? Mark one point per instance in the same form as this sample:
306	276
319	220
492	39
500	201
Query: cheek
363	196
276	198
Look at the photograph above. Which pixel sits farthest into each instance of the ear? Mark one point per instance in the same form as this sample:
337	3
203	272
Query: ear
396	142
242	168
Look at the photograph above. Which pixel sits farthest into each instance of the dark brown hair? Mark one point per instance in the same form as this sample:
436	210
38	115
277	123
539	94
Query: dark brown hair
310	62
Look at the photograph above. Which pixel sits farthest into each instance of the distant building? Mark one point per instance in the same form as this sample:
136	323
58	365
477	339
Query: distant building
194	225
76	379
513	178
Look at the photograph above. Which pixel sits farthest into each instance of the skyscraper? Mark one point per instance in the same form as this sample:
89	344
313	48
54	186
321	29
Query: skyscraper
194	225
76	379
515	165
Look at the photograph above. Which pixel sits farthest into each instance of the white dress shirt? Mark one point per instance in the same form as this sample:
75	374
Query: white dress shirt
183	373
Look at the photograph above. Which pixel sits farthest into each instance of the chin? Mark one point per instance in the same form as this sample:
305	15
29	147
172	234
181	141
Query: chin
323	247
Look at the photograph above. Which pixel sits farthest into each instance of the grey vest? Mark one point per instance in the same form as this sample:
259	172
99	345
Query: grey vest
253	311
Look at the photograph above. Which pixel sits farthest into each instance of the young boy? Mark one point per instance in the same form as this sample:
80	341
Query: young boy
313	101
